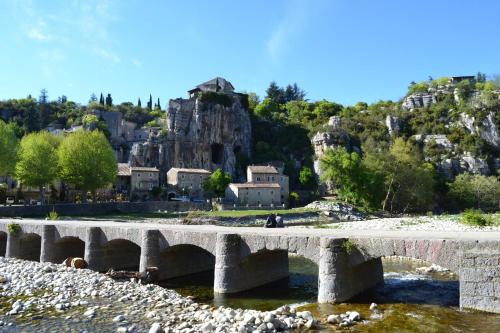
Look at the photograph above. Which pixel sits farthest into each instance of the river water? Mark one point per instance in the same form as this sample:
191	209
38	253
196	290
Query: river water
407	301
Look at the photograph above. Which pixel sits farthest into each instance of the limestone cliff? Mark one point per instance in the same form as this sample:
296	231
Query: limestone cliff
208	134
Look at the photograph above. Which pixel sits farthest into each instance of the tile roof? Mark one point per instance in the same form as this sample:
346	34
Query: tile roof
149	169
255	185
187	170
262	169
123	169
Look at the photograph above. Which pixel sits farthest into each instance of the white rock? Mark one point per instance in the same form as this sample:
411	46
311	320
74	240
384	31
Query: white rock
333	319
373	306
119	318
354	316
156	328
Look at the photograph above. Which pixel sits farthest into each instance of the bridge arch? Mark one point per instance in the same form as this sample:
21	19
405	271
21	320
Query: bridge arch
205	241
444	253
3	243
120	254
184	259
308	249
30	245
68	246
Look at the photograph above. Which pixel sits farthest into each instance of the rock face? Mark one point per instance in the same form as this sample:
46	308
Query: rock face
207	135
394	125
333	137
419	100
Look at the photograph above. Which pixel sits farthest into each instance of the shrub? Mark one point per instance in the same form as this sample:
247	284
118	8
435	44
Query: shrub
13	229
476	217
53	215
348	246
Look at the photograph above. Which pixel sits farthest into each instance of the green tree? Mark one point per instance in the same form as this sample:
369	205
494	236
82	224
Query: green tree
109	100
306	177
38	164
476	191
408	183
354	182
8	148
268	109
101	99
275	93
87	161
217	183
253	100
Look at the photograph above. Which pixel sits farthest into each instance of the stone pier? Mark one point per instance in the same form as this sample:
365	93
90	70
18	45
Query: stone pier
340	277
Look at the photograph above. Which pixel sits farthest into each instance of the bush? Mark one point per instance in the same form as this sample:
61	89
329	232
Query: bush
476	217
13	229
476	191
348	246
53	216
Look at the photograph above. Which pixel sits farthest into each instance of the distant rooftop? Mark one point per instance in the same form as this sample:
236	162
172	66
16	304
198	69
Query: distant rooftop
217	84
262	169
255	185
187	170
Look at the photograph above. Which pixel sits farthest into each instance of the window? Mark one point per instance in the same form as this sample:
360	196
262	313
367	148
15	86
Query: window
150	186
258	179
272	178
138	175
182	176
268	178
258	193
272	192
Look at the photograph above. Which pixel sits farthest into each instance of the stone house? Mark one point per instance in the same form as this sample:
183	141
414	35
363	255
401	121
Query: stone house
186	181
136	180
266	185
270	174
254	194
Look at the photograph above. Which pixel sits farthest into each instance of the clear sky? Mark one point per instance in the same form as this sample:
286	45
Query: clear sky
343	51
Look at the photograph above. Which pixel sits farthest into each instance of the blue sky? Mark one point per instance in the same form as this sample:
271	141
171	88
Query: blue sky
344	51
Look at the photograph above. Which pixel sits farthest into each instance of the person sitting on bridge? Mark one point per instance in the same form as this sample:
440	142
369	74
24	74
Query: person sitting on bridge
279	221
270	222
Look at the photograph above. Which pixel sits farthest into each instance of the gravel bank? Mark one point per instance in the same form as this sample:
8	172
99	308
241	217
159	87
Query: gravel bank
421	223
44	297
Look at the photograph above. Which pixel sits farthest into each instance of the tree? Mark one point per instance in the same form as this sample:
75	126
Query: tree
139	103
38	164
306	177
101	99
150	102
93	98
217	183
294	93
253	100
158	106
87	161
407	182
109	100
476	191
268	109
44	108
8	149
275	93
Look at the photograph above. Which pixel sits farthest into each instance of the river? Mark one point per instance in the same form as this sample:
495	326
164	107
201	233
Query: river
407	302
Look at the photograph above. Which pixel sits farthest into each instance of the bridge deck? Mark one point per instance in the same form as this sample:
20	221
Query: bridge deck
306	232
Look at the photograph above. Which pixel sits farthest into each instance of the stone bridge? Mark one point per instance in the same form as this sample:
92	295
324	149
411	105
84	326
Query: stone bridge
349	262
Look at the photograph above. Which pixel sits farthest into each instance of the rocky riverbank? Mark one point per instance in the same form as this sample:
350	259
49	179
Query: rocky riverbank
48	297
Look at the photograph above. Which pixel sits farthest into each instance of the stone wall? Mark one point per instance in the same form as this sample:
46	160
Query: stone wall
100	208
480	281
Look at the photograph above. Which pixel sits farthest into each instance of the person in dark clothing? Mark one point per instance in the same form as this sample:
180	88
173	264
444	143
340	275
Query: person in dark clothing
270	222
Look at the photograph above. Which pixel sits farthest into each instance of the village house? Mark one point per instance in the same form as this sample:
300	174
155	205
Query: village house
189	182
266	186
254	194
270	174
136	180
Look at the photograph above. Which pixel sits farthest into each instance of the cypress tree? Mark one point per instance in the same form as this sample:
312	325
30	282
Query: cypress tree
150	103
101	100
109	100
158	104
139	103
